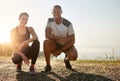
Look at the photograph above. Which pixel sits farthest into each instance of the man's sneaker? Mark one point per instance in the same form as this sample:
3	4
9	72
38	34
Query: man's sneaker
32	70
18	67
67	64
47	68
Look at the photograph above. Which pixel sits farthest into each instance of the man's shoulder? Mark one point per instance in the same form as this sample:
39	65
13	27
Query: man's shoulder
66	22
50	19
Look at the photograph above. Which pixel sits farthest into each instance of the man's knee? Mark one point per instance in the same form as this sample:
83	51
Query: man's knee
48	43
16	59
72	54
49	46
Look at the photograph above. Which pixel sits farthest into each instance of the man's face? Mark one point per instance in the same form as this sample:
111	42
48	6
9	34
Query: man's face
57	12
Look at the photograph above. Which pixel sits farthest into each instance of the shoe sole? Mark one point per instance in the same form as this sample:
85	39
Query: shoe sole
18	70
43	72
31	73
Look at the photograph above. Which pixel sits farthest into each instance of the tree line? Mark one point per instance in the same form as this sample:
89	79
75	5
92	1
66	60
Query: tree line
5	49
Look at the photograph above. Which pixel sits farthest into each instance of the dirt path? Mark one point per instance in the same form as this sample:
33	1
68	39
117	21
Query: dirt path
82	71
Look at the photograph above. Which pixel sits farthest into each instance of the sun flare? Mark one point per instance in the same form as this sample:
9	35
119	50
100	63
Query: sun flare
5	36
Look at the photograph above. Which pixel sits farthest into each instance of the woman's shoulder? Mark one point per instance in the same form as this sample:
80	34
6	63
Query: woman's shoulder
30	29
14	29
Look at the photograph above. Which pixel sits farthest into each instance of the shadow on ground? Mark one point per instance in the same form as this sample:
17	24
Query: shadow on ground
52	76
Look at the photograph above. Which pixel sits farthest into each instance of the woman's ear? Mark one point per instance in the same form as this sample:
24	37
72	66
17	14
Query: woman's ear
52	12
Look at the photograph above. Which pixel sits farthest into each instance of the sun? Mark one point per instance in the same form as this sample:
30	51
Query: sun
4	36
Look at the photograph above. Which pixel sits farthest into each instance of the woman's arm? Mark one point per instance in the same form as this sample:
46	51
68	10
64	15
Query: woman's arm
26	42
33	33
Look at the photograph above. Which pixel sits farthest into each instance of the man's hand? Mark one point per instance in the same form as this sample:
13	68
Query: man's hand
57	52
62	40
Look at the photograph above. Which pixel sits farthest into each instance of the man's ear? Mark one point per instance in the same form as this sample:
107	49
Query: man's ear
61	12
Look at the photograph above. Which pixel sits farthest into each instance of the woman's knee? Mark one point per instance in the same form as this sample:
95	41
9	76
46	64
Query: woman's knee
35	48
16	59
36	43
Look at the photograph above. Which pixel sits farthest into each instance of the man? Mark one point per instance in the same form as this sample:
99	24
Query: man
60	38
20	39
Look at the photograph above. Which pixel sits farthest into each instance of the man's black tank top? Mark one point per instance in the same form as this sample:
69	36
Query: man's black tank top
20	38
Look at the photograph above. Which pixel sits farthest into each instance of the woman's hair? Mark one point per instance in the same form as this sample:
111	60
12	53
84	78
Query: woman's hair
23	13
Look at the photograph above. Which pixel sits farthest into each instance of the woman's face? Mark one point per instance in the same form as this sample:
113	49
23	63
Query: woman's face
23	19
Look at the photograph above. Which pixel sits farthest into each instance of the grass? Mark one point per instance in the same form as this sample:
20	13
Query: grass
97	61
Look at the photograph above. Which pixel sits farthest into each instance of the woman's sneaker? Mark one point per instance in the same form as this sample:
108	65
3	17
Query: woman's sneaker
32	70
18	67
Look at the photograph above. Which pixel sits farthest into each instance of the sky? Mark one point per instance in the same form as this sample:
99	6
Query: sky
96	22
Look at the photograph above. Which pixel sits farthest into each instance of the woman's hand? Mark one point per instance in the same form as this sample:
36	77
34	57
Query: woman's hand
25	59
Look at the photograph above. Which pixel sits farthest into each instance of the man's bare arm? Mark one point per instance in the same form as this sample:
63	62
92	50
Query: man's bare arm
48	34
70	43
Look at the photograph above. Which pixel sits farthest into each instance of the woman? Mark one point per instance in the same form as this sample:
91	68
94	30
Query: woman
20	39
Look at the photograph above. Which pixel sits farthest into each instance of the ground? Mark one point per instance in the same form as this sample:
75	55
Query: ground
82	71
